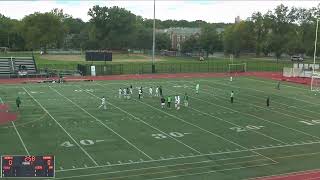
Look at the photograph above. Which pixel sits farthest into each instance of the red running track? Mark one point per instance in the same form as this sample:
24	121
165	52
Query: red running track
302	175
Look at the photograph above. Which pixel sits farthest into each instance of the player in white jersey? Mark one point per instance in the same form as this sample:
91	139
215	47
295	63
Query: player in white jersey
197	88
124	93
120	92
140	93
157	91
131	91
177	102
150	91
103	103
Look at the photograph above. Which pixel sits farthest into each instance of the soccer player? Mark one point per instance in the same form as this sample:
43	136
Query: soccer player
131	91
268	101
186	100
197	88
120	92
278	85
157	91
230	78
128	93
150	91
18	102
160	90
177	102
140	93
231	97
124	93
103	103
163	102
169	101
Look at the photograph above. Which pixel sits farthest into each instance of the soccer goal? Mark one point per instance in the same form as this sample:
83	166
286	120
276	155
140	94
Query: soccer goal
315	82
240	67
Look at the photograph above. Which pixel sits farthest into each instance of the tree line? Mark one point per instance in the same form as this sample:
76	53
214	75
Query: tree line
282	30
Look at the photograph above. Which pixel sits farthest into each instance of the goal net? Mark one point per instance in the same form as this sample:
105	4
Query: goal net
315	82
240	67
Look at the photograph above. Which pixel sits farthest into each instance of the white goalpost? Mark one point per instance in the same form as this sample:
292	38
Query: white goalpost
237	68
315	83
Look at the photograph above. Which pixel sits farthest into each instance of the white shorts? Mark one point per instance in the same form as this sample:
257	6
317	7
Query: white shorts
162	104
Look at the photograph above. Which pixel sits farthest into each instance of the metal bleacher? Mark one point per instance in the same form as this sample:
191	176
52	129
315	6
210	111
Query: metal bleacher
10	66
4	67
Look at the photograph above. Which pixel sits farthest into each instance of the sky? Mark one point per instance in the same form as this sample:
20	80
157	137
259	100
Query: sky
213	11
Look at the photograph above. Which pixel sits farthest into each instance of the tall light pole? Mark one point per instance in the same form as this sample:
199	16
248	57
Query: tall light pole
315	46
154	35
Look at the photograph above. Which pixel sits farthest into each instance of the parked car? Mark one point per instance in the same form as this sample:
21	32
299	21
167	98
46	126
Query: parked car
296	58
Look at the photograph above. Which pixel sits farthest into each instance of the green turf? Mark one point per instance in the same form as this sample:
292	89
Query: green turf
211	139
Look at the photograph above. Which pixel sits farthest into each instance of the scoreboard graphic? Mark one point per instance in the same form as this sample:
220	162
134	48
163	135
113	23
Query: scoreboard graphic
27	166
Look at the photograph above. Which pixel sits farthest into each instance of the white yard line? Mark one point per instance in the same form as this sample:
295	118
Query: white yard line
81	148
106	126
157	129
248	114
21	140
300	109
15	128
165	166
202	129
285	96
161	160
233	123
209	154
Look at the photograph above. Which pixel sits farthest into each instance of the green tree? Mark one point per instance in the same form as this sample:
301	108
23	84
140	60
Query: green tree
210	40
42	30
114	26
192	44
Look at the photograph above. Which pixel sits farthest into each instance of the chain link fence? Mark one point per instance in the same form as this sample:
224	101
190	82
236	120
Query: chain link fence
185	67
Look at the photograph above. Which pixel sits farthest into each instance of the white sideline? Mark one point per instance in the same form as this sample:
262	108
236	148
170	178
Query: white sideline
210	154
83	150
15	128
98	120
161	160
166	166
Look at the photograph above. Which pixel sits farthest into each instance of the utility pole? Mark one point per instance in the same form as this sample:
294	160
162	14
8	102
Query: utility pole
154	36
315	46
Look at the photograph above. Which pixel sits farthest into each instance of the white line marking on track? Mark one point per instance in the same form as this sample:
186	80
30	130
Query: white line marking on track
83	150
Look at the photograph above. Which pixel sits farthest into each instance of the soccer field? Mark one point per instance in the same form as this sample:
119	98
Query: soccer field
136	139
